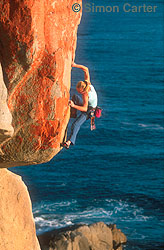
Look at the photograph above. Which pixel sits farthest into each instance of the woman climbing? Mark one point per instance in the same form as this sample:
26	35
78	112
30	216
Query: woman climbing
86	104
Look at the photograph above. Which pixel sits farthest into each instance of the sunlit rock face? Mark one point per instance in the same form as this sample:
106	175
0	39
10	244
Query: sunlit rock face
37	45
97	236
17	228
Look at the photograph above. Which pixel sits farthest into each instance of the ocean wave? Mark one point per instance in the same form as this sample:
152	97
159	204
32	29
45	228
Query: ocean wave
143	125
113	211
52	207
151	126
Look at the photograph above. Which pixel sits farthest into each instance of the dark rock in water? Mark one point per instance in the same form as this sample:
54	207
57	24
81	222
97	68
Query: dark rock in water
97	236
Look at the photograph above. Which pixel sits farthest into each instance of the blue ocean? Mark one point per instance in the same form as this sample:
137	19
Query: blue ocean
115	173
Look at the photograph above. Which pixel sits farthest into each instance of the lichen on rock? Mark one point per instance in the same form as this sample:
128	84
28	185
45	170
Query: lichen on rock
37	45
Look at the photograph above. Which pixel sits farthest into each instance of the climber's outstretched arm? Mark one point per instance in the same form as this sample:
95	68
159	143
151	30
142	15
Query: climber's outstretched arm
85	69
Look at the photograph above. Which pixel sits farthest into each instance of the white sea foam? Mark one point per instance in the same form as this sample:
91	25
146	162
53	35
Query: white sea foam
52	206
50	216
142	125
151	126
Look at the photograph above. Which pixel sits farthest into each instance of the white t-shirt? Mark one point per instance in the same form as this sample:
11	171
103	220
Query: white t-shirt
92	97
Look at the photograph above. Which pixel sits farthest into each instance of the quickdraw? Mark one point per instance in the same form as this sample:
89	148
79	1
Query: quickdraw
96	112
92	115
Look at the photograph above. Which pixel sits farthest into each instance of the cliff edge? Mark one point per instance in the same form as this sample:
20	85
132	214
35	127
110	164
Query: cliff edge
37	45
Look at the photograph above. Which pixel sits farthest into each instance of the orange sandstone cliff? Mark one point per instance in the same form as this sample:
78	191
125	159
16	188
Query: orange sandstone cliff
17	228
37	46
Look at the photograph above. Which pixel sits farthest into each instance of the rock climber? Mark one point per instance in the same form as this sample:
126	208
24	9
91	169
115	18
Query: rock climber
85	103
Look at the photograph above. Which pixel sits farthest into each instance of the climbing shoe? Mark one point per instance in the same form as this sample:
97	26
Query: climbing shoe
65	145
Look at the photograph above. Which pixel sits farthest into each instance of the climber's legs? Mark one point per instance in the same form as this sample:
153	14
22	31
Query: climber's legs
76	126
77	123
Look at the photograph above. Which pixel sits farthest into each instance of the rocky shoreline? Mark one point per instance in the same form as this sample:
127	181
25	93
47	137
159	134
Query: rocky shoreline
97	236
